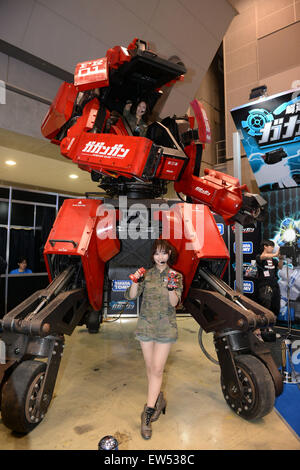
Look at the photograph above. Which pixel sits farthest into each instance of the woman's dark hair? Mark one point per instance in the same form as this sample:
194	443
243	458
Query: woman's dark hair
134	106
164	245
265	243
21	259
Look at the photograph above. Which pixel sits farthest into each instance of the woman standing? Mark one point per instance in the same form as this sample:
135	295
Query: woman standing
156	327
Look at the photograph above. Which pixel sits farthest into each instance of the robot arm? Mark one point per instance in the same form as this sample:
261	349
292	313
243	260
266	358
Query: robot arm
224	195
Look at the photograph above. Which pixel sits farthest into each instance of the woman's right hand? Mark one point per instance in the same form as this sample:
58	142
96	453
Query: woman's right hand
136	278
137	275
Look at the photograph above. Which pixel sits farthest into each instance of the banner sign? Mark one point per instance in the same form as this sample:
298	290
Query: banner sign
251	243
247	248
270	129
248	287
120	285
282	225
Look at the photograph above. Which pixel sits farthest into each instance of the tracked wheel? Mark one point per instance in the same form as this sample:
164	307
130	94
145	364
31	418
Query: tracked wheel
258	392
19	397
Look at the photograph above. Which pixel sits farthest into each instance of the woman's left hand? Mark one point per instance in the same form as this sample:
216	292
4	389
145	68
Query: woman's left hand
172	282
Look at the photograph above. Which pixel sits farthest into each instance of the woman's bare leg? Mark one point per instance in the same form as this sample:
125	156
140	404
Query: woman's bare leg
147	348
155	355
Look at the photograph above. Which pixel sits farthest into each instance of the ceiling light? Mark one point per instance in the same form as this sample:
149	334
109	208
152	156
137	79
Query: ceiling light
73	177
10	162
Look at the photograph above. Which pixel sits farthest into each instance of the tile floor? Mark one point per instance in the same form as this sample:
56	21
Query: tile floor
101	389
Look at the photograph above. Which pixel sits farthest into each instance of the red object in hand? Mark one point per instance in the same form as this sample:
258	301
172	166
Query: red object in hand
140	271
172	280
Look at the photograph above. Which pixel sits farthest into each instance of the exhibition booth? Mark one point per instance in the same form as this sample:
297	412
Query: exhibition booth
122	231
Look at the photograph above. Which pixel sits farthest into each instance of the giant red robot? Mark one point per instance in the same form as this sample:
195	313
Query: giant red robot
86	119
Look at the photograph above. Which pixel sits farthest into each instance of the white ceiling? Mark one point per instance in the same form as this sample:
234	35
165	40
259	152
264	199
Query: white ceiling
49	170
65	32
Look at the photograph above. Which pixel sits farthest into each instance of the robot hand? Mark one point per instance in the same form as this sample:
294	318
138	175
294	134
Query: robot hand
252	210
138	275
172	282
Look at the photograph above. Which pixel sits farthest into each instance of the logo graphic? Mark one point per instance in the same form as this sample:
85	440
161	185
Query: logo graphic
129	305
221	228
202	191
91	68
247	248
244	229
257	119
99	148
79	204
120	286
270	129
248	287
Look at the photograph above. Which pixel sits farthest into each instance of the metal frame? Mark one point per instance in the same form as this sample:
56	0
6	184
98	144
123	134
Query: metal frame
34	227
238	227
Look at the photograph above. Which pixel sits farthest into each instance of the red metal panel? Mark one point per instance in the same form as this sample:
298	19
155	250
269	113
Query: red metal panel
170	168
109	153
60	110
117	56
108	245
76	223
91	74
192	230
202	121
221	192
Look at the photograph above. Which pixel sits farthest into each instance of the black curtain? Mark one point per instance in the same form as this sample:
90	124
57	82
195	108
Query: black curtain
3	235
45	220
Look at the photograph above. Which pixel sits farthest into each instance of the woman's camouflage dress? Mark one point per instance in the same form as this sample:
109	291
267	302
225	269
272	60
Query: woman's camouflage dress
157	318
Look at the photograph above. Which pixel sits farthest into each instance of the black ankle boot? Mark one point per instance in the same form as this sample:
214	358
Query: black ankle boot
146	416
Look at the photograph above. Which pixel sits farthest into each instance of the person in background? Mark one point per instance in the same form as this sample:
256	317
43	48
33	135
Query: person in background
22	269
268	263
137	117
156	327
